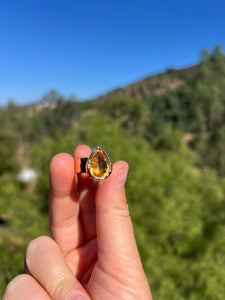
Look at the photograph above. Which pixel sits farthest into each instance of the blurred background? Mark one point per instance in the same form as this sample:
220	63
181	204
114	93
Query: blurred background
146	81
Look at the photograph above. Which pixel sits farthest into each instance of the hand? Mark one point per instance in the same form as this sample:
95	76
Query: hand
92	253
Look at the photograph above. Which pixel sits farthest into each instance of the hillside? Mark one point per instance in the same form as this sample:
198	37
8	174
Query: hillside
154	85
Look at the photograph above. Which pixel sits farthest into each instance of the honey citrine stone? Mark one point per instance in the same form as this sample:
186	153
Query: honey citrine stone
99	164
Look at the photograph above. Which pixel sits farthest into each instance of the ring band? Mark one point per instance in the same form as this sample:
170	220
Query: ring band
98	164
80	165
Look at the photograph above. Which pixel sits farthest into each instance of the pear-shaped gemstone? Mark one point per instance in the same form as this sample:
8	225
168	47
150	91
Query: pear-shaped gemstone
99	164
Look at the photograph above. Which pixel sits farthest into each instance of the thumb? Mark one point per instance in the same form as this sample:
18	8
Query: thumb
114	227
118	256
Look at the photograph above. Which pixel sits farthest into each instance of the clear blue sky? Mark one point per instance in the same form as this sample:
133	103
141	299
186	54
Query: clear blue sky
87	48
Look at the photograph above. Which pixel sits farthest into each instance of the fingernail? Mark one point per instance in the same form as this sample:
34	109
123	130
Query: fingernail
77	297
122	175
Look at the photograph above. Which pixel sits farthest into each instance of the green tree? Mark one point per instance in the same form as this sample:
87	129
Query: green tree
133	114
218	52
8	148
205	55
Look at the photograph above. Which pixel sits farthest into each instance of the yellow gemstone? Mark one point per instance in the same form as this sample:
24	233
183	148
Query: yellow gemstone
99	164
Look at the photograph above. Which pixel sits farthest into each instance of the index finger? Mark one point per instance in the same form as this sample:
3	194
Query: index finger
64	219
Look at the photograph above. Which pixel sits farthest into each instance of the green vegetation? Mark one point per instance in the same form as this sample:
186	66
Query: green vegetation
175	187
197	107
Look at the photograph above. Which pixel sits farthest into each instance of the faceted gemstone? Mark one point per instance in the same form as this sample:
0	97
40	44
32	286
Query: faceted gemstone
99	164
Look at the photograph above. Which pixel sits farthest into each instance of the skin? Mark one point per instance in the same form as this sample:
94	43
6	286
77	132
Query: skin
92	253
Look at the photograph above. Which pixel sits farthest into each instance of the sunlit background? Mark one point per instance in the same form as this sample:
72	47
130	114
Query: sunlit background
145	80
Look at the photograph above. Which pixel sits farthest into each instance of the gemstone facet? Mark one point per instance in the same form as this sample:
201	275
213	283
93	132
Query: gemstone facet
99	164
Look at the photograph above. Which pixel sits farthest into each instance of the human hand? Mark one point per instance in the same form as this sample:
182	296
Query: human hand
93	253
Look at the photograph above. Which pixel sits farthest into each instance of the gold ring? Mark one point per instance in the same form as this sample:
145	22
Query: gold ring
98	164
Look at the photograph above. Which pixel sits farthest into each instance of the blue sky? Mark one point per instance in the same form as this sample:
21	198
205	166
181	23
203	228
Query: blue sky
86	48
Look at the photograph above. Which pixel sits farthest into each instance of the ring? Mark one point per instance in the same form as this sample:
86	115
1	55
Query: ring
98	164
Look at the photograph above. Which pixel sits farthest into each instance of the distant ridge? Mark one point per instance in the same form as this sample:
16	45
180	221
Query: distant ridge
157	84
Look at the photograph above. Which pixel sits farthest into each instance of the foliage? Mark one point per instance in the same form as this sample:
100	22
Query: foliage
132	114
197	107
8	145
20	221
33	122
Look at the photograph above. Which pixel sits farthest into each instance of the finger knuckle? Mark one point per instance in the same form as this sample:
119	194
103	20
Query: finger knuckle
62	285
17	283
38	244
36	247
121	210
